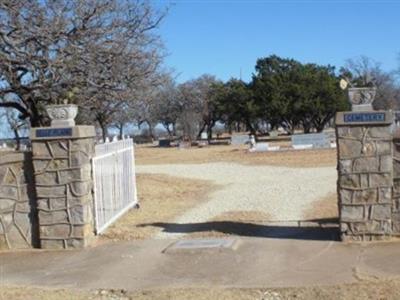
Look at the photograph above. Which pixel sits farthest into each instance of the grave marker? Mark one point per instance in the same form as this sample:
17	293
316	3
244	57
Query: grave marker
316	140
241	139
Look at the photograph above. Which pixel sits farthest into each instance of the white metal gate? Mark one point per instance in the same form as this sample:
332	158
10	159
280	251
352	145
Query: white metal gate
114	181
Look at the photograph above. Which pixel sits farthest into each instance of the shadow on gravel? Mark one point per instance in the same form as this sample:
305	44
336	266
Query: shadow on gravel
317	229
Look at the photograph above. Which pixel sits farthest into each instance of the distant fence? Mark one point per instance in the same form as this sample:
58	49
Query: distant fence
114	181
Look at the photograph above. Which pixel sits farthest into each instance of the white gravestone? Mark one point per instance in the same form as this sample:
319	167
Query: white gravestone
240	139
316	140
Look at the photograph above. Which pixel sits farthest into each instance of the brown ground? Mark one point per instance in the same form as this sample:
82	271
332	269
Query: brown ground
291	158
326	208
382	290
162	198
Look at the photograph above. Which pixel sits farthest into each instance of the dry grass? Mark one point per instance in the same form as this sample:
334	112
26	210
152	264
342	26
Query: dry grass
162	198
379	289
300	158
326	208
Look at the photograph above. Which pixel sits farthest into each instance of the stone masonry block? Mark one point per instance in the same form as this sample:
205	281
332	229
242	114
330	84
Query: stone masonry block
82	230
40	149
80	158
396	222
367	227
384	148
385	195
56	231
349	181
368	196
346	196
386	163
50	191
380	132
47	178
396	149
396	186
81	214
352	213
366	164
355	132
52	244
381	212
78	189
349	148
345	166
76	174
53	217
380	180
59	148
396	168
364	181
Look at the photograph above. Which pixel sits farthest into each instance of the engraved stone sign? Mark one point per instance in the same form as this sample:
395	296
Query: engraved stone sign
364	117
53	132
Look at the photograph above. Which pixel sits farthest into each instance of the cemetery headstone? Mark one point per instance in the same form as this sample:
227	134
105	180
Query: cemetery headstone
184	145
273	133
317	140
261	147
241	139
164	143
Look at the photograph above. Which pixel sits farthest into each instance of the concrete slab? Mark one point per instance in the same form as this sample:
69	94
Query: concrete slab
258	262
201	245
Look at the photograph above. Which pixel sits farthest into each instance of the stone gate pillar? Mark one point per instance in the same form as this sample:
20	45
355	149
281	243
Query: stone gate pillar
62	169
365	174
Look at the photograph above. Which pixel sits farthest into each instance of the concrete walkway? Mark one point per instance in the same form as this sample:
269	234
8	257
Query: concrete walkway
256	262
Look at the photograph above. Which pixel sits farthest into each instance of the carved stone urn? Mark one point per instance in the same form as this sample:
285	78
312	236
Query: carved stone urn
361	98
62	115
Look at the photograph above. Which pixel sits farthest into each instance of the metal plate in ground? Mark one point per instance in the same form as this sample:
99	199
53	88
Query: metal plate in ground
201	244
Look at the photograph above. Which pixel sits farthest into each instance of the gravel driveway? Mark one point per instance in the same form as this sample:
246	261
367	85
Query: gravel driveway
283	193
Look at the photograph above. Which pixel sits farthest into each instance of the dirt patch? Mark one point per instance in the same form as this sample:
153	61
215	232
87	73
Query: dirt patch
28	293
382	290
162	198
149	155
326	208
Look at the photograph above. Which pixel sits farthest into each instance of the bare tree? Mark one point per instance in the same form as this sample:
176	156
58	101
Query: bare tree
197	107
15	125
365	71
166	107
98	48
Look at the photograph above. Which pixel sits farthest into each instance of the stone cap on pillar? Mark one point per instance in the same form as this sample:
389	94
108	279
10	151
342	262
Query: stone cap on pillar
56	133
349	118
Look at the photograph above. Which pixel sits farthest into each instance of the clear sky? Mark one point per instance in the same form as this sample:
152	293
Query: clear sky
225	38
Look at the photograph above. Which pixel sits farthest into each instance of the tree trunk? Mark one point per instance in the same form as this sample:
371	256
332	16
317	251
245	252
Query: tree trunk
306	127
209	133
201	130
103	130
167	128
121	130
174	129
17	139
150	129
